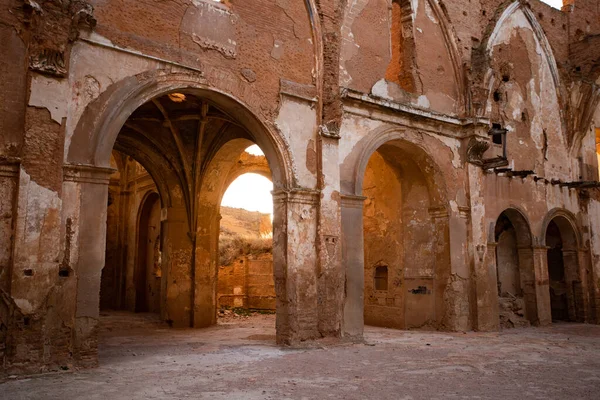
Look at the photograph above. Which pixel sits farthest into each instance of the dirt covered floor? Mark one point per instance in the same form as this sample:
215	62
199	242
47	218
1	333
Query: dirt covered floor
141	358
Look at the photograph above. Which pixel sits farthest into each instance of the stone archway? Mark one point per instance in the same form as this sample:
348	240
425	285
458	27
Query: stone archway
566	278
147	288
393	230
515	274
107	124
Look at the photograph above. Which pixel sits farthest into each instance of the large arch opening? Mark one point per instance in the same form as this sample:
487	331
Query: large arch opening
405	231
566	286
189	141
131	277
514	270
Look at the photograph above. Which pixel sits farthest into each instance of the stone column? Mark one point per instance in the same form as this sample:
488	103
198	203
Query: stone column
85	198
205	263
9	183
542	285
295	264
486	287
353	260
177	268
587	292
458	288
528	286
573	280
439	217
331	274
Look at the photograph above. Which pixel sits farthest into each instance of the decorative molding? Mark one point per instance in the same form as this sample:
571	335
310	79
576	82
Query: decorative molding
475	150
352	201
438	212
297	196
331	131
82	173
50	62
298	90
71	18
9	168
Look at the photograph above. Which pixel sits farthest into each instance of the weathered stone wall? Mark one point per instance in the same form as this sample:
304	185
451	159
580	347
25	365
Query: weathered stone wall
320	86
247	283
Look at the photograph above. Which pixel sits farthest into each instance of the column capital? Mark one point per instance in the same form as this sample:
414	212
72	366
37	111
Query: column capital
297	196
438	212
352	201
83	173
9	167
539	248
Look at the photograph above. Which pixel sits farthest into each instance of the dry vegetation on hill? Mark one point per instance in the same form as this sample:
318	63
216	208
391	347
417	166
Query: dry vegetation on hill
243	233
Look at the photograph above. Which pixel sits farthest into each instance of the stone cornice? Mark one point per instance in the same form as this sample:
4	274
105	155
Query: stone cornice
82	173
297	196
364	105
352	201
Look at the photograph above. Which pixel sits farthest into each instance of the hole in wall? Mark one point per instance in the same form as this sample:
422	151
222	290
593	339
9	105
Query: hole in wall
381	277
497	138
28	272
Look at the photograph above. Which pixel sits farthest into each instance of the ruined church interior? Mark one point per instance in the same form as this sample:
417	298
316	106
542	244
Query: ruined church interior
259	199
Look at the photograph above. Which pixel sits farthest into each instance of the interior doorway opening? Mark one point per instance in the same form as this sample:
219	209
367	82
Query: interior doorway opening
565	283
405	265
148	271
131	277
514	270
245	274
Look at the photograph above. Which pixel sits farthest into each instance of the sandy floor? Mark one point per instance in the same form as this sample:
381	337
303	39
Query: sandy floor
140	358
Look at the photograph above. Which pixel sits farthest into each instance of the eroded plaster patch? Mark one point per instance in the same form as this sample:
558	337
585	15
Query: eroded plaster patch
297	123
454	146
51	94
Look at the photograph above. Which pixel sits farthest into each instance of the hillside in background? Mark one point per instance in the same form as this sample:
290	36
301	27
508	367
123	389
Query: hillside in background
244	223
243	233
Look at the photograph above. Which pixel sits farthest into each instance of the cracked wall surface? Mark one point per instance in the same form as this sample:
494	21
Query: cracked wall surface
395	132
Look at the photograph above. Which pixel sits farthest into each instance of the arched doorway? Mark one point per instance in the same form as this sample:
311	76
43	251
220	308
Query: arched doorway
566	285
405	239
147	267
245	273
514	270
177	129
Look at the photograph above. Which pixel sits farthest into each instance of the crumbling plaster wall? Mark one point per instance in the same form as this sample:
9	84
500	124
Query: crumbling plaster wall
252	50
366	53
524	99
